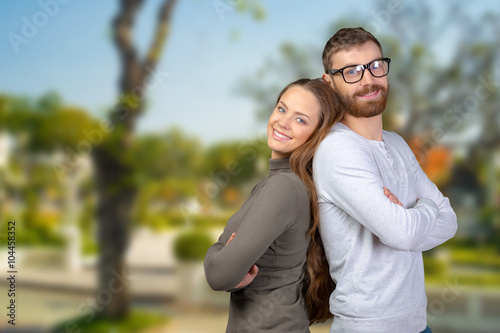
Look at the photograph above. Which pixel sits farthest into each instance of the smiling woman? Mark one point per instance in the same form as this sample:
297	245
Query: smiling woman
292	122
276	220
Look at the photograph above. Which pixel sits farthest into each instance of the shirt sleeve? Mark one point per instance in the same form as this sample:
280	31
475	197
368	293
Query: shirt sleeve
346	175
271	211
446	221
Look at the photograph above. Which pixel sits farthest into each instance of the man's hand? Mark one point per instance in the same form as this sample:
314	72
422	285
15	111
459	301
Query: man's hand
391	197
252	273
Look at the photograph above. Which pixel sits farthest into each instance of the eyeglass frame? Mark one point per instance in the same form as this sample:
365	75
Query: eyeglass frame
367	66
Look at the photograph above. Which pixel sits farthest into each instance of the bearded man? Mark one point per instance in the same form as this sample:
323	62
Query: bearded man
373	243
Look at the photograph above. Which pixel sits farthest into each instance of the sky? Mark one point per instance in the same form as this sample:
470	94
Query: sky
67	48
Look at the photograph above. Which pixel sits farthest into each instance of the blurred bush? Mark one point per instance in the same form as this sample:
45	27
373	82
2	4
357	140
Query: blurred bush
136	321
192	245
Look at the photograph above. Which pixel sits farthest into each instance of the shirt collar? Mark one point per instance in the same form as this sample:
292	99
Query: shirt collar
279	165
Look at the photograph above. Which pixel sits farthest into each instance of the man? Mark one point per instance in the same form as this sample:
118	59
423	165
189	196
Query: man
373	244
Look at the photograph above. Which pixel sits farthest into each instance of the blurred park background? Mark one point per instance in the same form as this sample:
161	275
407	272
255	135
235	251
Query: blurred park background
130	131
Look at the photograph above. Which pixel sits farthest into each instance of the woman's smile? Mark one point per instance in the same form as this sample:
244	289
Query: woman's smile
280	136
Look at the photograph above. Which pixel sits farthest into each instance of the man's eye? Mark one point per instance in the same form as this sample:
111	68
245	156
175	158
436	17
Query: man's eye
353	70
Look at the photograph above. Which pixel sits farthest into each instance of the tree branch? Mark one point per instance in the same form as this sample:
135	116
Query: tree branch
122	25
162	30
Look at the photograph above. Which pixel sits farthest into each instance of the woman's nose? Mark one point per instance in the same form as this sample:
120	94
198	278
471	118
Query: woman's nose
284	122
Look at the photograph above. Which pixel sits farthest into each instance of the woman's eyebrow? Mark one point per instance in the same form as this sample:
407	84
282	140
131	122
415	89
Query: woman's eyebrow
302	114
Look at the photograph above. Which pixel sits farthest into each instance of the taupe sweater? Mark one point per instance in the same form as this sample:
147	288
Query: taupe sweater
270	232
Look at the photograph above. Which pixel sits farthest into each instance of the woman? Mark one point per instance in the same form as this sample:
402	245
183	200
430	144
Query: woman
260	255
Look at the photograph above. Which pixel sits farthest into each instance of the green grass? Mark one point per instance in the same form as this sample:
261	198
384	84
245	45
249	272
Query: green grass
484	257
136	321
477	267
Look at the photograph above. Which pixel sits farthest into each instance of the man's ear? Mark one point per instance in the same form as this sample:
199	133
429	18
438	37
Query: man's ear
328	80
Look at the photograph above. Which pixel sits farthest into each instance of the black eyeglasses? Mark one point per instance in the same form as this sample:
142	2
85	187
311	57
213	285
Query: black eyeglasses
354	73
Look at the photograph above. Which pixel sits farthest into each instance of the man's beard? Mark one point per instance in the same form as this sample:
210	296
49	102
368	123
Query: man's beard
366	109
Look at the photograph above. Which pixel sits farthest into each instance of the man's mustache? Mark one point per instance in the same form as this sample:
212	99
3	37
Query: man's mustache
369	89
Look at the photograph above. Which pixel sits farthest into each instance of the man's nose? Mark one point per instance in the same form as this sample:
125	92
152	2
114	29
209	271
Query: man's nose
367	79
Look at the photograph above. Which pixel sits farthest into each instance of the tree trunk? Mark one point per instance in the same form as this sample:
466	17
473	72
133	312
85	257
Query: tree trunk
114	171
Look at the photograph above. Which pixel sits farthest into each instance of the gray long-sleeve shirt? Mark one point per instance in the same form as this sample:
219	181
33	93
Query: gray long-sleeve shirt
270	232
373	246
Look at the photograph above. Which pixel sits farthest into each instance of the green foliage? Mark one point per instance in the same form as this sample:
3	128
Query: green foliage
171	218
46	124
230	163
170	154
136	321
470	265
192	245
435	266
208	221
89	246
37	227
156	201
86	224
485	257
254	7
482	280
38	236
171	169
489	217
174	170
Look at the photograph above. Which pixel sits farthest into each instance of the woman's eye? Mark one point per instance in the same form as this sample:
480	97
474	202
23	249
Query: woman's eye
300	120
281	110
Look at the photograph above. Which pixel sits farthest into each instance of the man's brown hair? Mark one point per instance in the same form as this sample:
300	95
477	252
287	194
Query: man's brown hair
345	39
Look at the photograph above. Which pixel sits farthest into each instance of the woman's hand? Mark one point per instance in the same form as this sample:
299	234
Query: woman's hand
252	273
391	197
231	238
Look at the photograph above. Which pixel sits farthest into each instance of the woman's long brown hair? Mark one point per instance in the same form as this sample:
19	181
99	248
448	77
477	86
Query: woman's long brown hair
317	284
